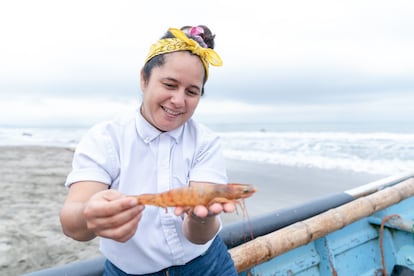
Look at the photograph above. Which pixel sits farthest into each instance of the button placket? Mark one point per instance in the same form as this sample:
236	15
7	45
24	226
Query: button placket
164	163
164	179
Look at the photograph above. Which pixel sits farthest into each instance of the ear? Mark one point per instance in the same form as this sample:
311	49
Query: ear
143	81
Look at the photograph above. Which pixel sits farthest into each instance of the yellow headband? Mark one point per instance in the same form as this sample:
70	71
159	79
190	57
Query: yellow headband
182	43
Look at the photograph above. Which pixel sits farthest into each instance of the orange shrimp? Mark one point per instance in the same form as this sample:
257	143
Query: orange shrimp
198	194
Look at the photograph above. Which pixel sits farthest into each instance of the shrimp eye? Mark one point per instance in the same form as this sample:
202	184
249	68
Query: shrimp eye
249	190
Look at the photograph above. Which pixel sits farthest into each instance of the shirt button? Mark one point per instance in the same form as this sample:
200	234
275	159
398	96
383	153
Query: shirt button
147	139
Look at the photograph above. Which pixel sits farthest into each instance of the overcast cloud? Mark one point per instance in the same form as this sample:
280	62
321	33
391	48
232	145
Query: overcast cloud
288	60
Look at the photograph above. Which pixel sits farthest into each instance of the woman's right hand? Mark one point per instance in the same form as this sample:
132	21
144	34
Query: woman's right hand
112	215
91	209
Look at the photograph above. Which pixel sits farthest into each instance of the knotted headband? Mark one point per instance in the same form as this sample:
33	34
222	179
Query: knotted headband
182	43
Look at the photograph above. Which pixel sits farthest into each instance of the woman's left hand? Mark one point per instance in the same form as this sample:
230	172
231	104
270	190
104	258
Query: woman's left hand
204	211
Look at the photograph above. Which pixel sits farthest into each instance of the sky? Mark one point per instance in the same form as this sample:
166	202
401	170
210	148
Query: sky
78	62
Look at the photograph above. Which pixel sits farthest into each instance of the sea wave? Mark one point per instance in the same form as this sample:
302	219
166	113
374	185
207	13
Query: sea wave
383	153
377	152
32	136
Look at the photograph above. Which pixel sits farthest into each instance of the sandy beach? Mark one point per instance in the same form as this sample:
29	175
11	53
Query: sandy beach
33	192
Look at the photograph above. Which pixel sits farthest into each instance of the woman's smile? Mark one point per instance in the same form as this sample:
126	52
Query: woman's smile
171	112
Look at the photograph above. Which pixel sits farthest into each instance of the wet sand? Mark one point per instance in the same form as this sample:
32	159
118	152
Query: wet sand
32	193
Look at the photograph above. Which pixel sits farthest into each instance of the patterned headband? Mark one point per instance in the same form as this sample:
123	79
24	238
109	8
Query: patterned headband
182	43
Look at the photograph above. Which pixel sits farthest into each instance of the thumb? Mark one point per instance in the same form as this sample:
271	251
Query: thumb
110	195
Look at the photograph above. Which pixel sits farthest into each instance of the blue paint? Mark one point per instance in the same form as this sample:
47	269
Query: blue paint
352	250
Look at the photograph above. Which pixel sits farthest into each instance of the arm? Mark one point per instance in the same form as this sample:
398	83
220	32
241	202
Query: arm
92	210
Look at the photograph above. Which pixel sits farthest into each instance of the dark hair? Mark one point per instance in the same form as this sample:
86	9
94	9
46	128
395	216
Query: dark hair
158	60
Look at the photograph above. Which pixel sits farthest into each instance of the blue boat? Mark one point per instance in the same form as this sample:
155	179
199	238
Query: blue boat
364	231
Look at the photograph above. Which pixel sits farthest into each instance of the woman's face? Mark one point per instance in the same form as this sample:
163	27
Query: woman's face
172	92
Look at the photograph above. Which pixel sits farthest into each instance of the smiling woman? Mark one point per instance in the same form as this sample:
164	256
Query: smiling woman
157	148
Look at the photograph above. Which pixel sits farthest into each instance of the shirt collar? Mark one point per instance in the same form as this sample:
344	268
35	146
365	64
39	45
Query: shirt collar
148	132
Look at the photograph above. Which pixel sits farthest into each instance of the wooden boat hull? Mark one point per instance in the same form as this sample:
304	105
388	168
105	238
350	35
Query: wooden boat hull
360	248
367	236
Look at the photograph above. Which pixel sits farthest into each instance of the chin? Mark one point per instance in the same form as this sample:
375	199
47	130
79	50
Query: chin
165	128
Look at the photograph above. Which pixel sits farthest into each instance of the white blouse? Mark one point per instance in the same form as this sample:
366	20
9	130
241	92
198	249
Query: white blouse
132	156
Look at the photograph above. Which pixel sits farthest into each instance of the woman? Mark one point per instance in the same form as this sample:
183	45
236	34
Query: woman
158	148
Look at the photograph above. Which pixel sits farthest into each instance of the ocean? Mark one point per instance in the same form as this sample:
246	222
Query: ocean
384	149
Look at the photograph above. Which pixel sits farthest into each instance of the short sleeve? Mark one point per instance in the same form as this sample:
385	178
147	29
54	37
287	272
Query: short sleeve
95	158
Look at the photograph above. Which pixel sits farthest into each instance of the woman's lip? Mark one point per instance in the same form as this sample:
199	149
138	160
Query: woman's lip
171	112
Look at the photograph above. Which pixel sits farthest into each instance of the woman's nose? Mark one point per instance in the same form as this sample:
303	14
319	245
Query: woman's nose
178	98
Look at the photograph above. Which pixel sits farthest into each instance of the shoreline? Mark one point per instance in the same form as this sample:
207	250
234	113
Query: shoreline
283	186
33	193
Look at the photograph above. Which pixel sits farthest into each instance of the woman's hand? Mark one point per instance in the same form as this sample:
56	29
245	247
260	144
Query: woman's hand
204	211
112	215
92	210
200	224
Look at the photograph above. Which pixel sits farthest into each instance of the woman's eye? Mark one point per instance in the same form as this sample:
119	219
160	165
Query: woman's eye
169	85
192	93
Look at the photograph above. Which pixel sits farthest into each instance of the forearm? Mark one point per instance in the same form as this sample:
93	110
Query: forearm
72	215
73	222
200	230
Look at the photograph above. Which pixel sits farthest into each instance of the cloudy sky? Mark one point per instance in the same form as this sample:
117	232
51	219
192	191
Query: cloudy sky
77	62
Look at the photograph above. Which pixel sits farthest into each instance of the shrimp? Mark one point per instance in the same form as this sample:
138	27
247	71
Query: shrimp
198	194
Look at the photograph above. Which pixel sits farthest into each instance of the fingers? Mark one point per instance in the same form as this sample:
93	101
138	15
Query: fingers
178	211
111	214
201	211
213	209
112	220
109	202
229	207
204	211
121	228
